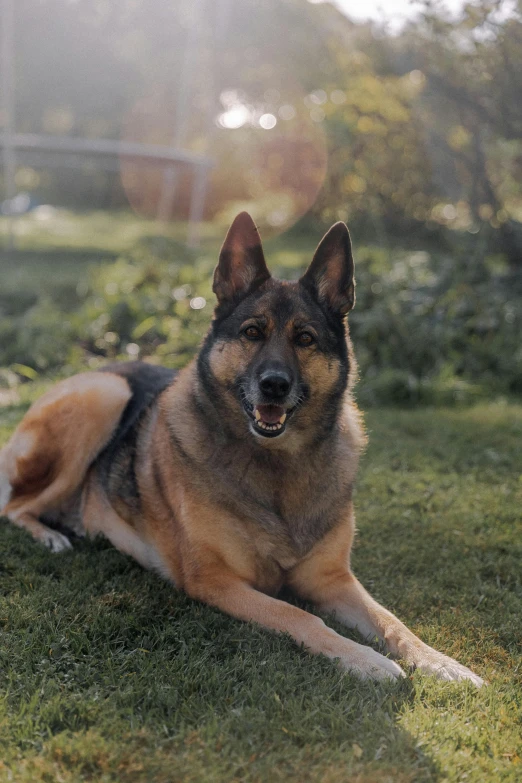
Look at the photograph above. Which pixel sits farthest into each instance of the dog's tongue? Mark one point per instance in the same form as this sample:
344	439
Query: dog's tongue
270	414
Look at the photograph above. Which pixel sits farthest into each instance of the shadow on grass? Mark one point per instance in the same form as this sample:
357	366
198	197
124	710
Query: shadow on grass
101	655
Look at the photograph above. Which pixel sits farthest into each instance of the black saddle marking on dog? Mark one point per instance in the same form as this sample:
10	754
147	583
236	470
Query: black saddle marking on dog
115	462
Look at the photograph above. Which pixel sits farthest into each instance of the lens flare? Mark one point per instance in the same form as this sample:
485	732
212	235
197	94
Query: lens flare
269	154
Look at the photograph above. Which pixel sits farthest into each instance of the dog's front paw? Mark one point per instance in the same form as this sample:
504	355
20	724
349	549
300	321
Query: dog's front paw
446	668
369	664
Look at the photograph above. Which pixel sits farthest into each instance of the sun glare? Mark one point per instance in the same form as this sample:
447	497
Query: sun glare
235	117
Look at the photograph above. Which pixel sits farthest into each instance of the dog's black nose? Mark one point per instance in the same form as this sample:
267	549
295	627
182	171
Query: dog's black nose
275	384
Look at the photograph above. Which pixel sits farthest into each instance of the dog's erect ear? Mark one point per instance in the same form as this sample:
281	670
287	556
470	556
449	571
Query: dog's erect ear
330	276
241	266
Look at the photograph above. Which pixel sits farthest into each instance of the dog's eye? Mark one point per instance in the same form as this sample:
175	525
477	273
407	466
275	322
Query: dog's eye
253	333
305	339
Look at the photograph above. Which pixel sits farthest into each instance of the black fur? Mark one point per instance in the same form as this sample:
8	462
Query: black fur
116	462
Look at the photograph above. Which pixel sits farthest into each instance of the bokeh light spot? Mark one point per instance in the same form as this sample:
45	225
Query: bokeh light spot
276	176
268	121
449	212
235	117
317	114
287	112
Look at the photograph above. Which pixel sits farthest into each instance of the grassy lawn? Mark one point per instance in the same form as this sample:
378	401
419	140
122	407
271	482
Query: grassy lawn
93	231
109	674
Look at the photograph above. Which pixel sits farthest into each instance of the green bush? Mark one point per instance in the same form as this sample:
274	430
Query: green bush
427	329
147	304
432	329
40	338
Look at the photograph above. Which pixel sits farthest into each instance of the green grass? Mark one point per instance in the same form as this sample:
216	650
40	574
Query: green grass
108	674
112	232
93	231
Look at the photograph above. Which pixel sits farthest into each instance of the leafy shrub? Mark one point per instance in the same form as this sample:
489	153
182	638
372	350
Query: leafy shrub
147	304
427	329
434	329
41	338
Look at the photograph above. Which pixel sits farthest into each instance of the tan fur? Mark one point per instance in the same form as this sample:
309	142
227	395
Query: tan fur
100	517
49	453
326	579
188	537
225	519
229	357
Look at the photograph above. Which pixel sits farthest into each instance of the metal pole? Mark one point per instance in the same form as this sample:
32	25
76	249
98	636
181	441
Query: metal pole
8	152
170	175
197	205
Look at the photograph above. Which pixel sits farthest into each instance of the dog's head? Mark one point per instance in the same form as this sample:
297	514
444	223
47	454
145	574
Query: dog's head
277	357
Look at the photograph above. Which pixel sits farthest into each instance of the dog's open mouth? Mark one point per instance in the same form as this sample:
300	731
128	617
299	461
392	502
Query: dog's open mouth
268	420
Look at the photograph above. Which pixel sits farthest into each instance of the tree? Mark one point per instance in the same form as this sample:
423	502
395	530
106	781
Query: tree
471	110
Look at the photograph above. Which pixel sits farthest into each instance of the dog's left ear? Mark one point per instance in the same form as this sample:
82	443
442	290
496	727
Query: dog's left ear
241	266
330	276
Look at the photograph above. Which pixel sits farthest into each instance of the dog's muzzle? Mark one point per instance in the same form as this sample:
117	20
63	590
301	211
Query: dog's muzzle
268	420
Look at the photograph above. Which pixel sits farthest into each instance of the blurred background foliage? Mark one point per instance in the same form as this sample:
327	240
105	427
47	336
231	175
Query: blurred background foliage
411	135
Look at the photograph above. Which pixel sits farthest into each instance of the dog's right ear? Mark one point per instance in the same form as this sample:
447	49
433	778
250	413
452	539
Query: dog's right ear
241	267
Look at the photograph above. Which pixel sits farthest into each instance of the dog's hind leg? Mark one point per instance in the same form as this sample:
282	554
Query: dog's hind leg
44	465
24	519
25	513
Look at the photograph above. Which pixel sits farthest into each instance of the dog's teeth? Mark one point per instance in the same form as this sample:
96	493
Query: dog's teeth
267	426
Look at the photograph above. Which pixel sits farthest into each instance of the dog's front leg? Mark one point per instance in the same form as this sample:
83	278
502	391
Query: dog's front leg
236	597
331	585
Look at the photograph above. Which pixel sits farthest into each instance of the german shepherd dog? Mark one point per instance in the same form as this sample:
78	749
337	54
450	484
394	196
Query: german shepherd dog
235	477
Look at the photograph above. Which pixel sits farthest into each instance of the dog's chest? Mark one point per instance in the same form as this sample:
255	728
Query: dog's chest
306	519
296	507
